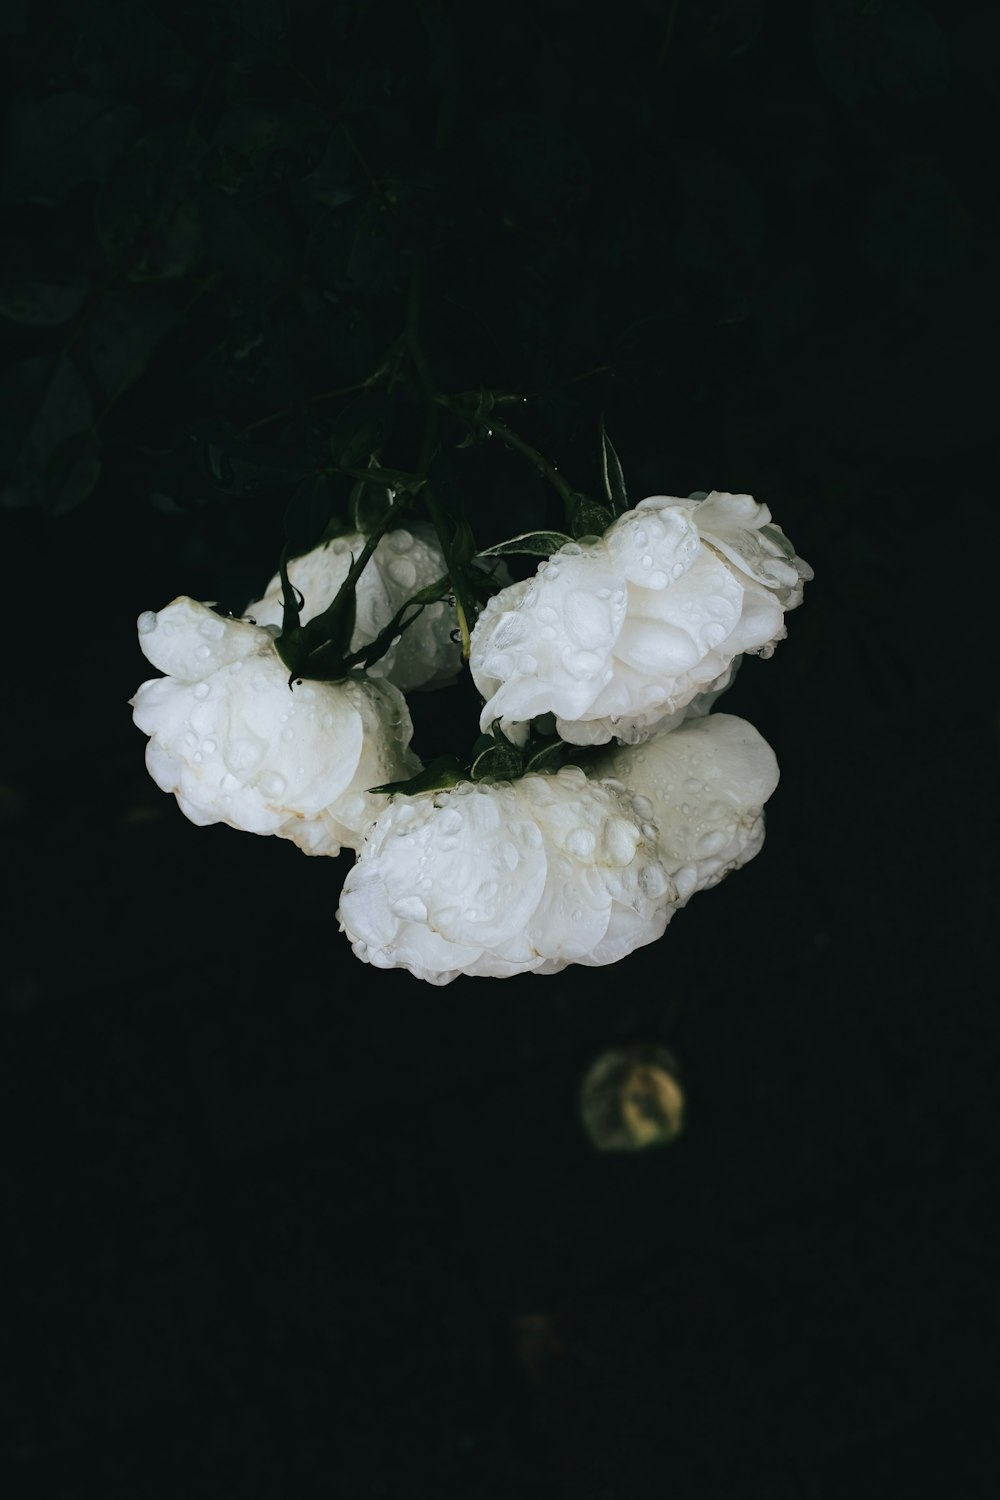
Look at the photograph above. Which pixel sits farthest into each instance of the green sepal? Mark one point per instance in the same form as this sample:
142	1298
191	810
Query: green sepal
374	650
292	600
546	757
441	773
495	757
614	479
528	544
587	518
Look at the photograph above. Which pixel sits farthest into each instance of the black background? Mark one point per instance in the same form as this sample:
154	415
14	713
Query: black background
284	1225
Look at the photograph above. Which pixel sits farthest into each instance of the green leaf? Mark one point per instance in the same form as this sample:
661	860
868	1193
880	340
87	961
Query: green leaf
367	508
41	301
54	145
149	212
498	763
124	47
124	336
614	479
528	544
890	48
587	518
257	150
546	757
441	773
249	240
44	403
72	472
239	466
359	431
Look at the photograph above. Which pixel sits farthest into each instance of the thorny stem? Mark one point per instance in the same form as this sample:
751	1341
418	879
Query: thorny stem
565	490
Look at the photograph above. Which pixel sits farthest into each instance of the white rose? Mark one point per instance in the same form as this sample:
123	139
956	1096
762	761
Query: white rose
236	745
403	563
617	636
704	785
496	880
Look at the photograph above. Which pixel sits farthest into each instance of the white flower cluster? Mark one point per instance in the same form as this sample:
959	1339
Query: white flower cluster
617	636
626	640
235	746
546	871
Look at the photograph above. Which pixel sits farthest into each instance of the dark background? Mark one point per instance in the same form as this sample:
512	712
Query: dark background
284	1225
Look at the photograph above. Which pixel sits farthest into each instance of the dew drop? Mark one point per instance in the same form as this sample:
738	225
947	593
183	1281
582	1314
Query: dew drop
409	909
272	784
212	628
550	572
711	843
146	622
582	843
402	571
658	580
201	690
203	653
509	855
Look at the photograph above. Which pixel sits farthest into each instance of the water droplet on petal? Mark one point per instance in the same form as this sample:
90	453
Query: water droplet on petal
450	821
409	909
711	843
146	622
551	571
402	571
582	843
272	784
201	690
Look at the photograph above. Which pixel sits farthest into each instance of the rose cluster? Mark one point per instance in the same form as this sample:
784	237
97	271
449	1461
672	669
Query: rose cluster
621	642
